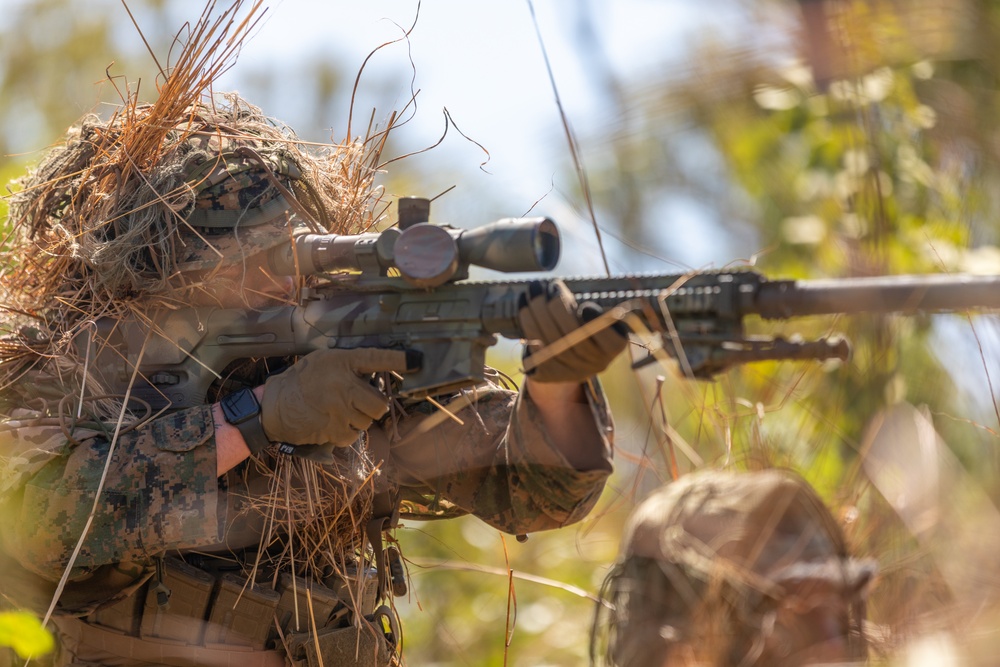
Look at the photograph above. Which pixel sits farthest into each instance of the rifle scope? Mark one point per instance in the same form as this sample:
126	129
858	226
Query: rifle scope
425	254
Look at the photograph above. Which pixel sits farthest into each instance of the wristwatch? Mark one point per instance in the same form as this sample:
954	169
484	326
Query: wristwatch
242	410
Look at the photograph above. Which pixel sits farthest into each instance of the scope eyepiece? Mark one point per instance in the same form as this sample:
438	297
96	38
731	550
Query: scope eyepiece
512	245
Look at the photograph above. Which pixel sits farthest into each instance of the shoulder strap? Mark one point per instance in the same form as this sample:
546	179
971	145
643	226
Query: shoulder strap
385	517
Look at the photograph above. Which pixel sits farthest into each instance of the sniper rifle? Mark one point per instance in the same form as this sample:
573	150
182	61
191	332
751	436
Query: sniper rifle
408	288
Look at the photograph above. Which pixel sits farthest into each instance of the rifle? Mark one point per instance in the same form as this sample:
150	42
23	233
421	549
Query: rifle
408	288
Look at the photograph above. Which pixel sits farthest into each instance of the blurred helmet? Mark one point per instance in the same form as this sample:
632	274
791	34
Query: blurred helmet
733	568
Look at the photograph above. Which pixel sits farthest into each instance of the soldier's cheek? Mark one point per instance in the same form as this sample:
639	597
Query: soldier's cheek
282	287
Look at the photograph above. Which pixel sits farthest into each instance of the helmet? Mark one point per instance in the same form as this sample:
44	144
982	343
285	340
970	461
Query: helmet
714	559
125	214
241	205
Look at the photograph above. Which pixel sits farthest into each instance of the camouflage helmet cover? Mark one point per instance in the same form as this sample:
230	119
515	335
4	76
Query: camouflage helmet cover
750	533
241	204
755	522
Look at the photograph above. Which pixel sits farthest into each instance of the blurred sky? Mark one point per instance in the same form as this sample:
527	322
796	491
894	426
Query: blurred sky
483	62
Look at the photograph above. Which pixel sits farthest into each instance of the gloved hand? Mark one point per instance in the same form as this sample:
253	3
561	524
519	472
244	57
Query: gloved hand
325	398
546	317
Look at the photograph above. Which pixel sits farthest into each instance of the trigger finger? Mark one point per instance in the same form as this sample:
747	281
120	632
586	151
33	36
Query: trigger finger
359	421
370	402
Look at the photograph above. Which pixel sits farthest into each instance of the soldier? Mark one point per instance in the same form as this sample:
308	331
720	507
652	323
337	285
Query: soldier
190	556
723	568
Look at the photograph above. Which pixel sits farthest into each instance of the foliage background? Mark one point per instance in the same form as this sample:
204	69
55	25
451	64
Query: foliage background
863	145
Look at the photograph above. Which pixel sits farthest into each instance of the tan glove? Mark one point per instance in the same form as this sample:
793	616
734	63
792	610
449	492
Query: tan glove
546	316
326	397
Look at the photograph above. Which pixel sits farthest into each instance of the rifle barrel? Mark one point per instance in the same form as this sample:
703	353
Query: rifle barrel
881	294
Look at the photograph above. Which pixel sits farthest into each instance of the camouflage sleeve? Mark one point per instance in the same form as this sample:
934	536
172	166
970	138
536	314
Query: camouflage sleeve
160	492
498	463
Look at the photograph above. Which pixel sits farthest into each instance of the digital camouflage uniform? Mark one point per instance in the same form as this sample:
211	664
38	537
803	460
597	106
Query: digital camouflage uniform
162	495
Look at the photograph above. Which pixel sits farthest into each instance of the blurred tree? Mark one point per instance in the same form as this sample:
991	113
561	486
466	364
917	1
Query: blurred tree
873	151
861	179
60	60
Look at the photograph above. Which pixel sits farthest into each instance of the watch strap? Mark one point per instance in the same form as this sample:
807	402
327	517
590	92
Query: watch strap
242	410
253	434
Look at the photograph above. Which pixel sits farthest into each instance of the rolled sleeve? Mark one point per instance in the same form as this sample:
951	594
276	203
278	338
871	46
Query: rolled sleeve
500	463
543	489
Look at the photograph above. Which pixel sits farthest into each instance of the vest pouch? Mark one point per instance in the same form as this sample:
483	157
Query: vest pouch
343	647
303	603
357	588
182	619
123	616
242	614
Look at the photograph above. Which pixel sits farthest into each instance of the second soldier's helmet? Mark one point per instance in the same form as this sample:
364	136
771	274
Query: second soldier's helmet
723	568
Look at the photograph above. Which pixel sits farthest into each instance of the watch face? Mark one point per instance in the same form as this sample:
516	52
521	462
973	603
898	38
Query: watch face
240	406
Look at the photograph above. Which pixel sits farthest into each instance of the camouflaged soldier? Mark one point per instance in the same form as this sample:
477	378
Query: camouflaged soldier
178	567
725	568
